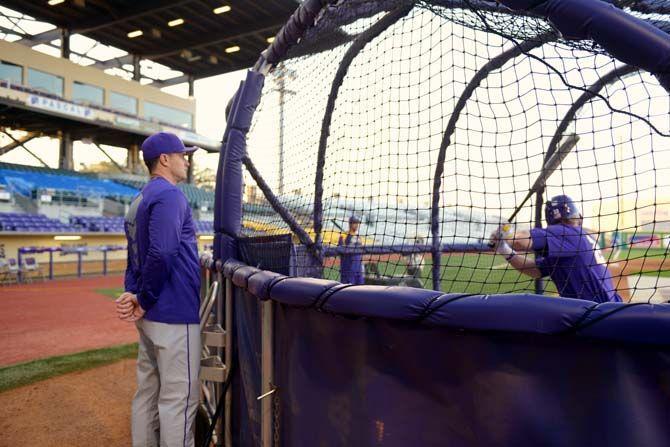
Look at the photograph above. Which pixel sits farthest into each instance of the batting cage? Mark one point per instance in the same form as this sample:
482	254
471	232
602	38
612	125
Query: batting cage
446	222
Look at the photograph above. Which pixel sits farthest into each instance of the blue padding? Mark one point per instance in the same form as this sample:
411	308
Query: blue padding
537	314
230	266
249	98
293	30
218	195
638	323
625	37
260	283
231	113
231	184
225	247
301	291
527	313
241	275
228	197
399	303
522	5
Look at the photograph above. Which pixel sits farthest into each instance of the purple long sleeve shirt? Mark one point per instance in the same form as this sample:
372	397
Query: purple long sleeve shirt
163	267
572	259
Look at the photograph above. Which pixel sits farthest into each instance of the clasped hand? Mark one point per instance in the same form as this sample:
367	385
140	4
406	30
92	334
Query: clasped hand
127	307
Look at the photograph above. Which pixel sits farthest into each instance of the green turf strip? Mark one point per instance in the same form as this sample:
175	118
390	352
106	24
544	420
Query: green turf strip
30	372
111	293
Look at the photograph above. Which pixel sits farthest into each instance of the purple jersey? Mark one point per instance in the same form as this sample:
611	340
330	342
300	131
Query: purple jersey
351	265
573	261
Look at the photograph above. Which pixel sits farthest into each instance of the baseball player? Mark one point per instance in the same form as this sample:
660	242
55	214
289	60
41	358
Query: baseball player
162	286
351	265
567	254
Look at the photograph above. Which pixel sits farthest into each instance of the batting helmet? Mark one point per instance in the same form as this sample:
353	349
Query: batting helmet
354	219
559	208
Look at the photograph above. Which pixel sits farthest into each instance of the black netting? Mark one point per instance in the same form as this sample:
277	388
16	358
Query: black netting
533	92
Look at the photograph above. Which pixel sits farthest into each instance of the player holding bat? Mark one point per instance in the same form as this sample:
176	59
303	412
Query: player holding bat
566	253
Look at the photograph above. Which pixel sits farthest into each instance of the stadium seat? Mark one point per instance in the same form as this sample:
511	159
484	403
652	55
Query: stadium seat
68	186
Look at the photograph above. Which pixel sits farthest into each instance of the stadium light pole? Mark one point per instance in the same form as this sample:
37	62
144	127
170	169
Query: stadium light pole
65	43
137	74
65	156
191	94
281	89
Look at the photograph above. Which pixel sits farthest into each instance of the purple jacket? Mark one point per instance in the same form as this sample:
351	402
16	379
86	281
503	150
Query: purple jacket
163	265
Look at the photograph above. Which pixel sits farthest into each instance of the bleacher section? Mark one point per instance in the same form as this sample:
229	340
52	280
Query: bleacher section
38	223
68	186
59	194
91	223
32	223
204	227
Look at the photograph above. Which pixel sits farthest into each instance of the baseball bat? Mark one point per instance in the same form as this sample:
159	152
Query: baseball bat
547	170
337	225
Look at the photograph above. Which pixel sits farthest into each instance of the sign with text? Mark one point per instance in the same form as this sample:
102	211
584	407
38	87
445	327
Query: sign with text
55	105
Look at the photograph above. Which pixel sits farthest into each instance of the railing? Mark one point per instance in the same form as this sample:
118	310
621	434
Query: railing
57	197
79	251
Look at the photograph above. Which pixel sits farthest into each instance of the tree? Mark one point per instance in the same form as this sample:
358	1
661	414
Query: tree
205	178
102	167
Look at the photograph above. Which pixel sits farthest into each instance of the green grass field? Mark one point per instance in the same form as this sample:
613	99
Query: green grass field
488	274
470	273
656	254
30	372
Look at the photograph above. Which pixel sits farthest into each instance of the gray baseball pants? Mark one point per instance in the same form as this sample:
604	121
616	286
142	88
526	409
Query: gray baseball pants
168	390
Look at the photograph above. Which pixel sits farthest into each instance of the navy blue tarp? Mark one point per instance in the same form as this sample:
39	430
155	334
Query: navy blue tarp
392	366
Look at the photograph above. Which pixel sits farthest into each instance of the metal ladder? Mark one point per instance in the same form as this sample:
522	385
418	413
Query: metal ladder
217	345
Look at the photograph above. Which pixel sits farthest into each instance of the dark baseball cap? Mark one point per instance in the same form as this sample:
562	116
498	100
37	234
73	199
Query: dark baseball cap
164	143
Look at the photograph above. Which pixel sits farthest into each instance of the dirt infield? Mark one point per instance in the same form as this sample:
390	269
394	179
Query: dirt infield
79	409
58	317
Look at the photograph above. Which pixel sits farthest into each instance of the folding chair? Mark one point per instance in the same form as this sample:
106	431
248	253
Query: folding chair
32	268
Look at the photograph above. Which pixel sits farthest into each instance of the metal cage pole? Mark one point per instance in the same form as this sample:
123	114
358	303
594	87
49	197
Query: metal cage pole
267	372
